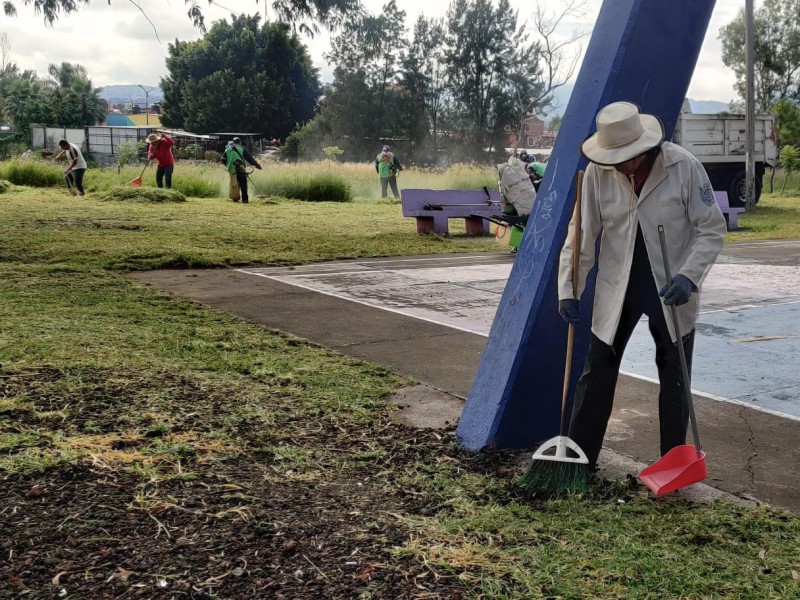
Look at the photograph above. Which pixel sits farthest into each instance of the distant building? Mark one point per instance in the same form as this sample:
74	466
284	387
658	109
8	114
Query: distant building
534	135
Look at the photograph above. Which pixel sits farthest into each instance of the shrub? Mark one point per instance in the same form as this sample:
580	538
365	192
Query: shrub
140	194
127	153
323	187
32	173
196	188
212	156
332	152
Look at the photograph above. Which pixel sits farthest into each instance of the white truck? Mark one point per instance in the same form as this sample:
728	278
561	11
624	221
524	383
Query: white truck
719	142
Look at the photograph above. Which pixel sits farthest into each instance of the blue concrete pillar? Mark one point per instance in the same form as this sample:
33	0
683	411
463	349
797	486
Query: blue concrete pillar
640	51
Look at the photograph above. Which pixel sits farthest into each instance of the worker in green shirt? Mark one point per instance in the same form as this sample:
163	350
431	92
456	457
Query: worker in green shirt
387	165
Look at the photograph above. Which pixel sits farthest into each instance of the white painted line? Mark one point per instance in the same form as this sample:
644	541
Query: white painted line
716	398
362	302
766	304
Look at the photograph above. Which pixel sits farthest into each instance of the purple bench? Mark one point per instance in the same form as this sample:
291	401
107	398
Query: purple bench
434	208
731	214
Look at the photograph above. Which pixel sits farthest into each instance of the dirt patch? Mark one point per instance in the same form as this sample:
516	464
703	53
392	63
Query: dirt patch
200	523
422	407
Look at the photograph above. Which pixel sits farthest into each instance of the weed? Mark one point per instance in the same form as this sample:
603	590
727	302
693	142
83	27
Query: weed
32	173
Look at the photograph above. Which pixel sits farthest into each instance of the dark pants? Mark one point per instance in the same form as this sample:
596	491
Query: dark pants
75	179
164	175
389	181
594	395
241	179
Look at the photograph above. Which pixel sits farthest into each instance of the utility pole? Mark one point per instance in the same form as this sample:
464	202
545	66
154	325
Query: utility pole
750	117
146	103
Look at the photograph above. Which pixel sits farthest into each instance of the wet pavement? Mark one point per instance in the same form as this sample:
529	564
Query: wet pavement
428	317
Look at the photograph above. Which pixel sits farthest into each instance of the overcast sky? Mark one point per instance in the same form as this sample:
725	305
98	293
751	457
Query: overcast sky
117	44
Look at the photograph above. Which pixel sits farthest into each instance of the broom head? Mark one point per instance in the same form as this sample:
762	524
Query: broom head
559	466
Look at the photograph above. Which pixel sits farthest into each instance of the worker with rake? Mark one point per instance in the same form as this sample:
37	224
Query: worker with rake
235	156
636	182
160	150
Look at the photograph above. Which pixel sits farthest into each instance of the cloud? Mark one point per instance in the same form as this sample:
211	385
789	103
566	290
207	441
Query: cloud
117	44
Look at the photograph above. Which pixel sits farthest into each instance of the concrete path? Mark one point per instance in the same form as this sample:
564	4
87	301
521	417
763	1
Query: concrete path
428	317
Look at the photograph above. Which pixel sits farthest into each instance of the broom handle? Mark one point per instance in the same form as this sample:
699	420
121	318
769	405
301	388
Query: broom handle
576	245
687	392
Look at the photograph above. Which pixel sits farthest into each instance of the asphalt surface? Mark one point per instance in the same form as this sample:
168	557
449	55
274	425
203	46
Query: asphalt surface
753	450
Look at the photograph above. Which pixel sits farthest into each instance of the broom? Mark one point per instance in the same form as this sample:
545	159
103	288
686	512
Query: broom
559	465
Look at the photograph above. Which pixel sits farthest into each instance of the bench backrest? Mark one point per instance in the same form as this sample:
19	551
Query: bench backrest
722	200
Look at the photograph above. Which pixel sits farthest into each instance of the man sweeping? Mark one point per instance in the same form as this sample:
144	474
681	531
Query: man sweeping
235	156
635	182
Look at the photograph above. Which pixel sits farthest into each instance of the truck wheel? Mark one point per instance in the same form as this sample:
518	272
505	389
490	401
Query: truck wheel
737	190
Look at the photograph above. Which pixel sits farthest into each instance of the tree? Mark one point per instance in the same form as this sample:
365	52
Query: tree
370	48
240	77
790	162
787	122
776	52
547	63
481	42
422	78
30	101
76	103
305	13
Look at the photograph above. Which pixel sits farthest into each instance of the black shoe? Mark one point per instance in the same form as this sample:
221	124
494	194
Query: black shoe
245	201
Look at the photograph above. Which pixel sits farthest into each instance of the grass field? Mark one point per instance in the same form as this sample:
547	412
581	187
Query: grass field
150	447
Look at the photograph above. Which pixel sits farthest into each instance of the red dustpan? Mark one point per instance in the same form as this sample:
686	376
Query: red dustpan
683	465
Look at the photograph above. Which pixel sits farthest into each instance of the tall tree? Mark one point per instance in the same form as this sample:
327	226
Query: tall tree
776	50
370	48
364	101
547	63
240	77
76	103
30	101
422	79
481	42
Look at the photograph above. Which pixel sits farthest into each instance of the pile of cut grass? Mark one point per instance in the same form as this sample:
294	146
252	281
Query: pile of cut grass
5	186
141	194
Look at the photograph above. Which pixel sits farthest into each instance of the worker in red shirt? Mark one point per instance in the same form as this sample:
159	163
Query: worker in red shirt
160	150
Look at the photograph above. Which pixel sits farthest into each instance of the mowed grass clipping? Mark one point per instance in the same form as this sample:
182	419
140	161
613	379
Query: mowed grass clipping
101	373
109	373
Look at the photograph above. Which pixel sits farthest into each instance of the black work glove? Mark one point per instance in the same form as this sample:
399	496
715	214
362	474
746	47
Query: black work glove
570	310
678	291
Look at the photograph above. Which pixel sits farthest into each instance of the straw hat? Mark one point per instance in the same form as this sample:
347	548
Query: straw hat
622	134
153	137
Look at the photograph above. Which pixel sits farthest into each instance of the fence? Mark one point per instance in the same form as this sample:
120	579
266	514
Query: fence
101	142
48	137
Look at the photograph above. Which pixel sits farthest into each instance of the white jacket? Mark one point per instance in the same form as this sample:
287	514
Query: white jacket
677	195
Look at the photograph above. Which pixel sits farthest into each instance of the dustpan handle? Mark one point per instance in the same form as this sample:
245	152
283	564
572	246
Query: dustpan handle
687	391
